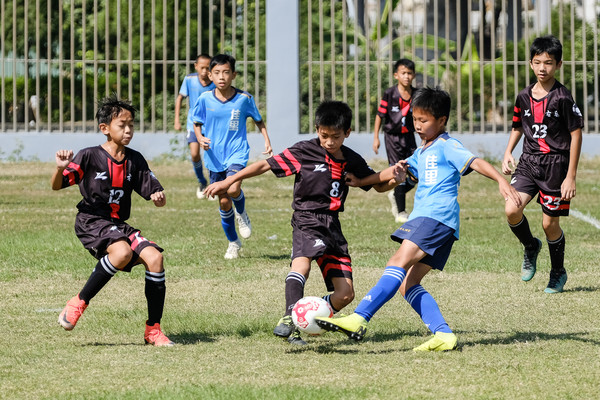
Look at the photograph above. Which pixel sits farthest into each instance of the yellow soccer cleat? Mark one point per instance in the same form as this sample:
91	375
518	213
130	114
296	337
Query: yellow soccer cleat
354	326
441	341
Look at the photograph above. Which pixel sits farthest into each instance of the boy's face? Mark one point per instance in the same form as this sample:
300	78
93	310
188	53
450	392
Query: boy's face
201	67
120	129
427	126
404	76
331	139
222	76
544	67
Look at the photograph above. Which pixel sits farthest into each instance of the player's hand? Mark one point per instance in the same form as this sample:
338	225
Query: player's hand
567	189
508	164
216	188
268	149
352	180
509	193
177	125
205	143
63	158
376	144
400	169
159	198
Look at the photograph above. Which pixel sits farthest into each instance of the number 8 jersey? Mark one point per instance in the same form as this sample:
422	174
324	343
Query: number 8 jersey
548	122
106	184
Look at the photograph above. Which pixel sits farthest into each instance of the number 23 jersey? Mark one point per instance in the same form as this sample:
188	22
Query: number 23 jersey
320	178
106	184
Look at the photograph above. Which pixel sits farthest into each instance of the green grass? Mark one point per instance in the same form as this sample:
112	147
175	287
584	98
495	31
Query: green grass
516	342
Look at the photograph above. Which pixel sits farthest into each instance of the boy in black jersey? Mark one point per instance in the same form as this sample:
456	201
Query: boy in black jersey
320	189
551	122
106	175
395	114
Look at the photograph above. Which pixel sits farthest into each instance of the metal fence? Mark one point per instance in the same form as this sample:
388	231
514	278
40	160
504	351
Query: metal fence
58	57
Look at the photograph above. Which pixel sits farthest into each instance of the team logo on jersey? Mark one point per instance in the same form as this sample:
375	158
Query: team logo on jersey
318	243
548	113
101	175
129	177
576	110
320	168
395	109
527	113
513	181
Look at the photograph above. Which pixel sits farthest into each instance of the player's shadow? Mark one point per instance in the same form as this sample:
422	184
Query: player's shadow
347	346
276	257
581	289
504	338
191	337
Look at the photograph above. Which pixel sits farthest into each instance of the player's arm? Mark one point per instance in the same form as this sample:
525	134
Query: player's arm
381	181
376	127
508	162
203	140
159	198
263	130
63	158
257	168
487	170
567	188
177	124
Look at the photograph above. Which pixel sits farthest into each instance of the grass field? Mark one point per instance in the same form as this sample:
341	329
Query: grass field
516	342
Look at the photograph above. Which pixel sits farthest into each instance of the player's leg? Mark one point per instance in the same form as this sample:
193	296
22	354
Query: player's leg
556	245
228	223
155	291
294	291
239	201
519	225
343	293
196	163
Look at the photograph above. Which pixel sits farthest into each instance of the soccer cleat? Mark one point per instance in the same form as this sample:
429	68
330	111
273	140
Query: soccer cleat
154	336
200	191
557	281
394	209
354	325
295	339
244	224
441	341
530	261
285	327
402	217
233	250
71	313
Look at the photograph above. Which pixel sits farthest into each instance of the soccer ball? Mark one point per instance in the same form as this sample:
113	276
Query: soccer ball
304	313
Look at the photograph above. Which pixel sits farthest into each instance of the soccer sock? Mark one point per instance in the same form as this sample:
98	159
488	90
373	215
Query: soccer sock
198	170
384	290
100	276
294	290
400	196
327	298
425	305
155	296
239	202
523	233
557	253
228	224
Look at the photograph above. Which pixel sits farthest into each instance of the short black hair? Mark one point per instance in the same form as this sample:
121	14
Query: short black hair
336	114
546	44
222	59
202	55
110	107
435	101
405	62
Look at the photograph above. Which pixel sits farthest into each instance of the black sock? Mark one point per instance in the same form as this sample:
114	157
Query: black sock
523	233
155	296
294	290
557	253
400	196
100	276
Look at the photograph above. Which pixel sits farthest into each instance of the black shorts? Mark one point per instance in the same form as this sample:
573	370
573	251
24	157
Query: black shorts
97	233
399	147
543	175
318	236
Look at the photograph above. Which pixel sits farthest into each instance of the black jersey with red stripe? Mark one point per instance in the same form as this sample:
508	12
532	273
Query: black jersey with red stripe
547	123
396	112
106	184
320	178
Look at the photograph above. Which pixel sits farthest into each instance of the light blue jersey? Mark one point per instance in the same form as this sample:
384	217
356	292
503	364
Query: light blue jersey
224	123
439	168
192	88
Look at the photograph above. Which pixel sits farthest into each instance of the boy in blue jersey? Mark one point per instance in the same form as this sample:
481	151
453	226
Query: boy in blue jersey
433	225
220	126
192	87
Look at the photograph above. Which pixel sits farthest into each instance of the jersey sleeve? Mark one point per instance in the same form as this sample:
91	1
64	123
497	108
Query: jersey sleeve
382	110
146	182
413	162
361	169
184	88
253	110
73	174
571	113
286	163
458	156
516	121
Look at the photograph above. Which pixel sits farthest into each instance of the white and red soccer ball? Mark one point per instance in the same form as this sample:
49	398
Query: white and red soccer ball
304	313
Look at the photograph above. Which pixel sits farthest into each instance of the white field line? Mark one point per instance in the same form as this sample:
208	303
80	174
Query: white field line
586	218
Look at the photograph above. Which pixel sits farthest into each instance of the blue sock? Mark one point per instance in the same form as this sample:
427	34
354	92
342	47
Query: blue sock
425	305
384	290
199	172
239	202
228	224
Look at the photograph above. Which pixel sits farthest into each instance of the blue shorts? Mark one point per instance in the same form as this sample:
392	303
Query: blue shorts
433	237
191	137
220	176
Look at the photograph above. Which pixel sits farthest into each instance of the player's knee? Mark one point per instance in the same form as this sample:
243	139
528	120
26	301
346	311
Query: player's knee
120	254
153	260
345	296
